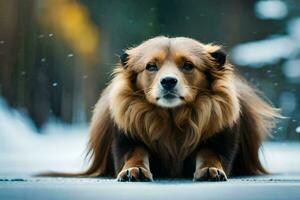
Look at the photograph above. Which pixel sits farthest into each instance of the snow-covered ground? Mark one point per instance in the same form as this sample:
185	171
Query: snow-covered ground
23	151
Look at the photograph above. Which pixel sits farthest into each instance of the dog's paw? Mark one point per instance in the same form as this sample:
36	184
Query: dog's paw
209	174
134	174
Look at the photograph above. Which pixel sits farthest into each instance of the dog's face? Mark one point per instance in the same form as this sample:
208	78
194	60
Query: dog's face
172	71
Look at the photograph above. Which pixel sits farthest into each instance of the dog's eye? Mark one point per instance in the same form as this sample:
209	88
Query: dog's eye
151	67
187	66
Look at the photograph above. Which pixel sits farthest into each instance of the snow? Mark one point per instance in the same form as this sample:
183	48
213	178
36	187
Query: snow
62	147
293	28
266	188
291	69
24	150
281	157
287	102
259	53
85	76
271	9
271	50
70	55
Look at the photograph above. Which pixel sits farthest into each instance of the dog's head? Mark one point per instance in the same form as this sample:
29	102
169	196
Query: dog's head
173	71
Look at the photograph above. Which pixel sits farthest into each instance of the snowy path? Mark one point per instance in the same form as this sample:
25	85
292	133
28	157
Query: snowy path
273	187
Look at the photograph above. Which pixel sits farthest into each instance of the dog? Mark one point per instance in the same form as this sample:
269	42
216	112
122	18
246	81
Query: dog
177	108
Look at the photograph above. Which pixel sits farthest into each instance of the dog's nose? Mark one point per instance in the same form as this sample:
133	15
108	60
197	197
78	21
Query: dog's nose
168	83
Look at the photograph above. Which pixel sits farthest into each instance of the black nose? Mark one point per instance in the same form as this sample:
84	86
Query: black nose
168	83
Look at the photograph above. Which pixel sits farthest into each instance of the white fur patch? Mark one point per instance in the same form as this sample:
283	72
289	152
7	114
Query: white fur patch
169	103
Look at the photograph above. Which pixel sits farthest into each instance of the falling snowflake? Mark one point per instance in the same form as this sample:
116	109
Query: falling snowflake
70	55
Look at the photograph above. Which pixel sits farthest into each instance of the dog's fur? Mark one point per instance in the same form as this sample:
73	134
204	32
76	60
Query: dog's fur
212	128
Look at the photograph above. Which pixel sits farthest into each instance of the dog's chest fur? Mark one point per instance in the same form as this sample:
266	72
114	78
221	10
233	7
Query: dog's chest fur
174	143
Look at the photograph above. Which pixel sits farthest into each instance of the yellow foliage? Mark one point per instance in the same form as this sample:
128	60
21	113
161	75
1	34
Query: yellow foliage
71	21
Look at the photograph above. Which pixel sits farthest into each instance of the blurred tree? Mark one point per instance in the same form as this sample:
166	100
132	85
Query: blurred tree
22	84
70	21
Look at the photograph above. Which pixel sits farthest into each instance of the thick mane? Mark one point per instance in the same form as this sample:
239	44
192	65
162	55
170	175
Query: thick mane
175	131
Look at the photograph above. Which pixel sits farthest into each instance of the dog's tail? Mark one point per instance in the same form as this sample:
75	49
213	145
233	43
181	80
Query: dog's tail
258	117
60	174
102	129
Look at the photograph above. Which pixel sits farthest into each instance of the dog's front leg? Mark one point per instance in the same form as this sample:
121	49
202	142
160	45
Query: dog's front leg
208	167
136	166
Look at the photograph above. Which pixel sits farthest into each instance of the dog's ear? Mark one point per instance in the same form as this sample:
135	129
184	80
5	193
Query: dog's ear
124	58
217	55
220	57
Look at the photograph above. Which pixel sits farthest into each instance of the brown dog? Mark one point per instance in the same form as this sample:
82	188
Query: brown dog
176	108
